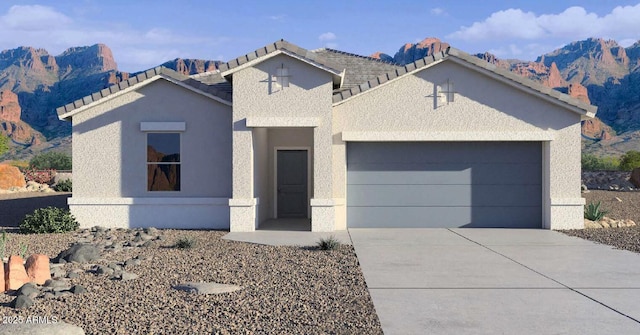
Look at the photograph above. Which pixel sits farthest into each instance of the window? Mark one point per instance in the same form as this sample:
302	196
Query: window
445	93
163	162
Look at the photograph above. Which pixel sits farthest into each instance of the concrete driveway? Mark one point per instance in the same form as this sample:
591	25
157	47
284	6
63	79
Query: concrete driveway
498	281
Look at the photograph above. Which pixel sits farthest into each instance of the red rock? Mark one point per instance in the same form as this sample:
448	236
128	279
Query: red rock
37	267
2	287
9	106
635	177
578	91
10	176
14	273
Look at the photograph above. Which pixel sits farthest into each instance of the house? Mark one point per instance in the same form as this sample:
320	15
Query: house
340	139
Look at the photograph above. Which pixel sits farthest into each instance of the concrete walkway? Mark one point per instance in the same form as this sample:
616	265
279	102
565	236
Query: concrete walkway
498	281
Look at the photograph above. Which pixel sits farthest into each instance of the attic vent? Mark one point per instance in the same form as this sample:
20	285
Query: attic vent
444	94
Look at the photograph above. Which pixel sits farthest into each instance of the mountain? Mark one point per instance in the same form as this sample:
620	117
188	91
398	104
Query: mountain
33	83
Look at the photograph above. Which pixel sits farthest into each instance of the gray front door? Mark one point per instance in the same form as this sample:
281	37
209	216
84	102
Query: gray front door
292	183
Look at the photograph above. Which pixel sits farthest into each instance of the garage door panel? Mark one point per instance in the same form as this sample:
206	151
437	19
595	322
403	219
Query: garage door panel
443	195
444	184
445	152
439	217
396	173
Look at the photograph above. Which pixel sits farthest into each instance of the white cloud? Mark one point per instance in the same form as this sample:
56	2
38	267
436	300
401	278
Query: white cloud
33	18
328	36
278	17
438	11
573	23
134	49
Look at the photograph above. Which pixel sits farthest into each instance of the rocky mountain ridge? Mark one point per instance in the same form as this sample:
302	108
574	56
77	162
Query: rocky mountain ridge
33	83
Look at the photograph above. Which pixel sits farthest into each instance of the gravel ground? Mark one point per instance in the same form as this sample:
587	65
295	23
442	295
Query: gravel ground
286	290
628	208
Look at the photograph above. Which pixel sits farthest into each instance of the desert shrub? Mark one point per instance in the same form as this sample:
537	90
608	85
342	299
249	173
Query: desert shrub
329	243
594	212
185	243
48	220
630	161
594	163
4	143
51	160
64	185
39	176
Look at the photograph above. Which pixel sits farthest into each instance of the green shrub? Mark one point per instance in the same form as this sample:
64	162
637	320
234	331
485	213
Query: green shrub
593	163
329	243
51	160
64	185
4	144
48	220
630	161
593	212
185	243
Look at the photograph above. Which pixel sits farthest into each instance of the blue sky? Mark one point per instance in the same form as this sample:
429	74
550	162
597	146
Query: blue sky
143	34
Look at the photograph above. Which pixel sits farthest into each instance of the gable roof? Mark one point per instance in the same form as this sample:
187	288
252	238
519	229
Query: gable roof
474	63
270	50
213	91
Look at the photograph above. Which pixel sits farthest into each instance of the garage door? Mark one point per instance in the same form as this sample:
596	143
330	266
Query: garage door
444	184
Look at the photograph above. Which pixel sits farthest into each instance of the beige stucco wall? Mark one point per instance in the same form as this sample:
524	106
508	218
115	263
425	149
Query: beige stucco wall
109	151
308	96
482	105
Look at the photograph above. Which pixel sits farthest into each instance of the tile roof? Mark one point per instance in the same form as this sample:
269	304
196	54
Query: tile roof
215	90
359	69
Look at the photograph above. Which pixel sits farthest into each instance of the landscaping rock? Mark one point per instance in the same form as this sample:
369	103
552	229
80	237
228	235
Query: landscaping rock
28	289
56	285
2	285
77	289
607	222
127	276
81	253
207	288
57	328
15	274
37	267
103	270
57	272
10	176
21	301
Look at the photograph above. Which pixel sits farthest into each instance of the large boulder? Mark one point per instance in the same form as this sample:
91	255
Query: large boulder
10	176
635	177
81	253
37	267
14	273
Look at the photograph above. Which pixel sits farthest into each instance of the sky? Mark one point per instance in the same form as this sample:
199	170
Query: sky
145	33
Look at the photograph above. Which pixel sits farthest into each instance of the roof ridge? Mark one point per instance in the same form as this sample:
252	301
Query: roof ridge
280	45
356	55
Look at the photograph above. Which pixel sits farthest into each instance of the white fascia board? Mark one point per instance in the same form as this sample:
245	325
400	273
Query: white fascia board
276	53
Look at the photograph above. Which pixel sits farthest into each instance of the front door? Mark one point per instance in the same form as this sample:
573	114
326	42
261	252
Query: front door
292	183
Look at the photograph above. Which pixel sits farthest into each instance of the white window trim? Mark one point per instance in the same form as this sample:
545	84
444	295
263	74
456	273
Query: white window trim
146	166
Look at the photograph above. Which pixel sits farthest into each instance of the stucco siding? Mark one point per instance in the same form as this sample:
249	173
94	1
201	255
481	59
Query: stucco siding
110	149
